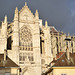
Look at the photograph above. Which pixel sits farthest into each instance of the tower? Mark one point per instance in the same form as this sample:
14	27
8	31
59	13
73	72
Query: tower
3	35
47	43
26	41
15	37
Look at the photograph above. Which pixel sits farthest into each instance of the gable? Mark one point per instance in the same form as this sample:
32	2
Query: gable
25	14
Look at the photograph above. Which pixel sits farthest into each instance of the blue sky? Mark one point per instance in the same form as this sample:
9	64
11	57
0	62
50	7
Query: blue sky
59	13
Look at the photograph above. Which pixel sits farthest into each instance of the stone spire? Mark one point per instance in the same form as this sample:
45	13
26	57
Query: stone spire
16	14
16	10
5	19
25	3
36	14
46	24
68	34
65	34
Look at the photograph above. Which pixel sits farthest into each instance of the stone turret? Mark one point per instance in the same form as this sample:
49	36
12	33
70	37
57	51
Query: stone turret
25	3
37	15
68	34
46	24
16	14
3	37
5	19
15	36
5	26
47	43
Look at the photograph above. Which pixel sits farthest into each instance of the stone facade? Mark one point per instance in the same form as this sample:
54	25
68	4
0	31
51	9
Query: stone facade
29	43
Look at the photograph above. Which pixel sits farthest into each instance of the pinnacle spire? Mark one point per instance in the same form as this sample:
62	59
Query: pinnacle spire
37	14
65	34
36	11
16	14
5	19
16	10
46	24
25	3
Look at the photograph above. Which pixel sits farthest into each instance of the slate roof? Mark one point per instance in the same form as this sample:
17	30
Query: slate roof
59	55
63	61
7	63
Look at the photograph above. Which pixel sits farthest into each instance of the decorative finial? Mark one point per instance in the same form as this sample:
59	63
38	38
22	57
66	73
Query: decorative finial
16	14
65	34
5	19
16	10
25	3
36	14
46	24
36	11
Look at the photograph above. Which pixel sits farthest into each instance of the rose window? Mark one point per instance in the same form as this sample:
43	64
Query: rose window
25	34
26	39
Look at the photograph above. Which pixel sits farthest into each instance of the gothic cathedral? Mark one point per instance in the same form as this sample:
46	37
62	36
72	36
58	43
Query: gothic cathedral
27	41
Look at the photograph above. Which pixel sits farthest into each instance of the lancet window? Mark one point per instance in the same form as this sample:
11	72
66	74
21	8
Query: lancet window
25	57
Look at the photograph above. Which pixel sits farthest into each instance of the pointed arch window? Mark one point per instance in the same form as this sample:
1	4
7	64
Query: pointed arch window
26	39
26	45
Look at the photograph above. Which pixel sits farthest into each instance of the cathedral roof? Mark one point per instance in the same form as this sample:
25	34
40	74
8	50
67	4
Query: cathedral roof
52	29
8	63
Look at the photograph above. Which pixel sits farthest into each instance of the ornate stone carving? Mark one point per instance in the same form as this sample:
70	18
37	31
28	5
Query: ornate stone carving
25	34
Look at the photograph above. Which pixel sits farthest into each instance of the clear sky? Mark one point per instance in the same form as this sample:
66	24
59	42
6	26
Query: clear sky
59	13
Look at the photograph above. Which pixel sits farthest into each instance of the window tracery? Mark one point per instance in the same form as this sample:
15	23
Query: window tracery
25	34
26	45
25	57
26	39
